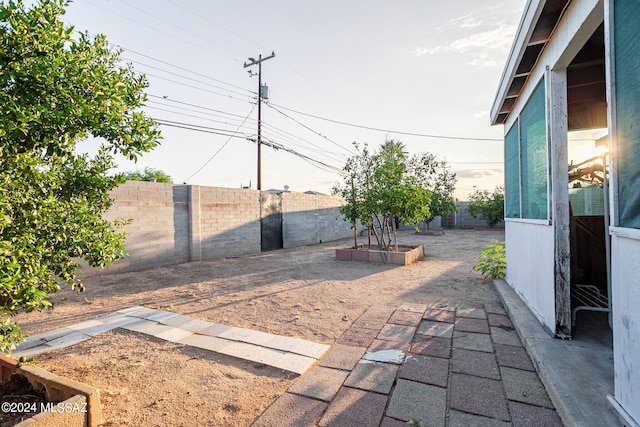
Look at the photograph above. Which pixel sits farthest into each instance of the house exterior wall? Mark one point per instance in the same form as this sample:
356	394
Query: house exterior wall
622	18
530	264
625	256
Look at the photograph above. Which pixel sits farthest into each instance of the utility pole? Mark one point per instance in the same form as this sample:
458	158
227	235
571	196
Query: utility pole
259	141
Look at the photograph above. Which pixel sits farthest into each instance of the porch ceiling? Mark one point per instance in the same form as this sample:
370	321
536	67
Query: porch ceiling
527	53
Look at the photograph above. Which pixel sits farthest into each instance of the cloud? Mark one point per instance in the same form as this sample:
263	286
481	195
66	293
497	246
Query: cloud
478	173
467	21
484	47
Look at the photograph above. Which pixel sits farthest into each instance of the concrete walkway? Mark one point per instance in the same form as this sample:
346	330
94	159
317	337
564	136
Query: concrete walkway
287	353
429	365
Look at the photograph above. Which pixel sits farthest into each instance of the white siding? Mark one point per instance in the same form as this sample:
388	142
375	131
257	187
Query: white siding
530	267
625	276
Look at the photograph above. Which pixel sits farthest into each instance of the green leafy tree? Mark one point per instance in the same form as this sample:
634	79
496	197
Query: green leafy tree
148	174
442	201
486	205
382	186
56	89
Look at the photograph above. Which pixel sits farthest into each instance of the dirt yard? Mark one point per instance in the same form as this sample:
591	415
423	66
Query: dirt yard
302	292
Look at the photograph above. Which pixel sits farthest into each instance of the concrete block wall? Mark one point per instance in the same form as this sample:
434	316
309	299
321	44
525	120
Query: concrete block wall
464	220
173	224
308	219
158	232
229	222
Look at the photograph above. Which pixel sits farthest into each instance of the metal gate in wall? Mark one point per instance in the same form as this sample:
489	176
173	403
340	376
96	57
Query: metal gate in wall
271	221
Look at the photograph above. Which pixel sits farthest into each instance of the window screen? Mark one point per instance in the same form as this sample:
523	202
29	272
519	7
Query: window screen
533	149
512	172
627	90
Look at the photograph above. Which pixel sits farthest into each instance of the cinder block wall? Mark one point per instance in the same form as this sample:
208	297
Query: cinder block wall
173	224
229	222
308	219
158	233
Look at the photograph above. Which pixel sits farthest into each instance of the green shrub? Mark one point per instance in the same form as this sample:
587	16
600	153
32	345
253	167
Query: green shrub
493	261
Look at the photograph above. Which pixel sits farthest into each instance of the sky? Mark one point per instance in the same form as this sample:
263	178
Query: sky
424	72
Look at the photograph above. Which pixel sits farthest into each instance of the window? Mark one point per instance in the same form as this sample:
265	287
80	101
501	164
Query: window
512	172
526	176
627	92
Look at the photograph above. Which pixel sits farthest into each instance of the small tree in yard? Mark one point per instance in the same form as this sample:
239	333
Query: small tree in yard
379	187
442	200
486	205
57	89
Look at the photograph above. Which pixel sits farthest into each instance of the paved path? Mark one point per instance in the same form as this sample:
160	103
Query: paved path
287	353
431	365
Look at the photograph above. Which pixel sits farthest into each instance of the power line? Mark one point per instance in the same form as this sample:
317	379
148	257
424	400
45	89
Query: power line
223	145
185	77
308	128
424	135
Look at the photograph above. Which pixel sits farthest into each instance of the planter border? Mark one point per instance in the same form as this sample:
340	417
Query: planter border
410	256
59	389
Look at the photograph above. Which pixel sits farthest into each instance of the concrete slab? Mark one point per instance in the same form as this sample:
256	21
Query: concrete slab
472	312
435	329
297	345
214	330
372	376
147	327
174	334
195	325
85	325
159	316
112	317
513	357
446	316
119	323
319	383
104	327
246	335
49	335
29	343
343	357
461	419
205	342
505	336
408	318
176	321
525	387
431	346
352	407
296	363
399	333
68	340
139	312
32	352
476	363
480	396
523	415
472	341
422	402
241	350
291	410
425	369
466	324
130	310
